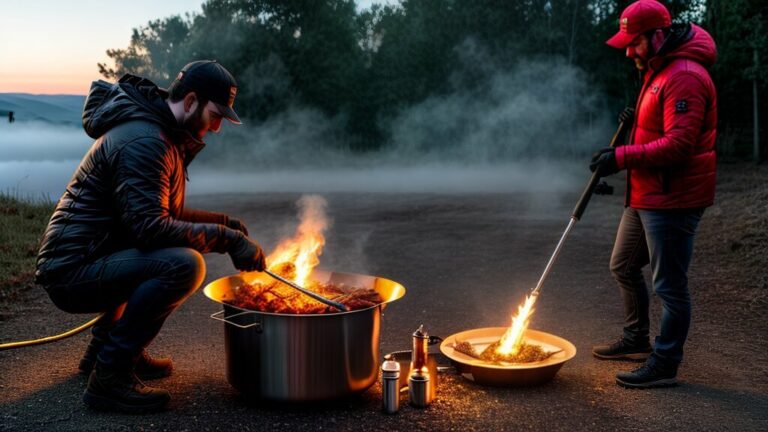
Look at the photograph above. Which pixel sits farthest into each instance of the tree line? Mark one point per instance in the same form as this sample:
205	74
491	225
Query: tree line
363	66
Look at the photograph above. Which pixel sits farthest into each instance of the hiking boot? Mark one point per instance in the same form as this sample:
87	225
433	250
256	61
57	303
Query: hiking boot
115	390
647	376
621	350
147	368
89	357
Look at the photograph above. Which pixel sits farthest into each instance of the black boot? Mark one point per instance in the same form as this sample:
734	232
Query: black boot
100	336
622	350
89	357
120	390
648	376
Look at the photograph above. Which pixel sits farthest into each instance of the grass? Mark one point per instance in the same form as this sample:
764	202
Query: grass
22	221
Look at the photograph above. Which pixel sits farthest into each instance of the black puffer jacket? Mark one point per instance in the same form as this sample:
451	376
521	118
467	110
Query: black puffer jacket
128	191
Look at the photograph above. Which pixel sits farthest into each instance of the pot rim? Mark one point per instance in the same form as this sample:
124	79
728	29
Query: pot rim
217	289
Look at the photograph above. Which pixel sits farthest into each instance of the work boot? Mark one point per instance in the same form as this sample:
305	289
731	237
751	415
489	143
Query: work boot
622	350
147	368
647	376
89	357
119	390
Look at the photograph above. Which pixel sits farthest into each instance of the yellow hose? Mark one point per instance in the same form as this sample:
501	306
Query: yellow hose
48	339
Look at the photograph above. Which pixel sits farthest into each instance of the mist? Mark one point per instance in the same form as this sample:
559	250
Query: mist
529	128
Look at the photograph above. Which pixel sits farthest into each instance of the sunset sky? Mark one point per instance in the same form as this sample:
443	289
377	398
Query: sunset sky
52	46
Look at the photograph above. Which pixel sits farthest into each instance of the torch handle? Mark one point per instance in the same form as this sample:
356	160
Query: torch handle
587	194
314	295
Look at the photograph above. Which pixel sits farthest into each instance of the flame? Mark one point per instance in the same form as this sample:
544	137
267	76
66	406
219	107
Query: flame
513	338
306	245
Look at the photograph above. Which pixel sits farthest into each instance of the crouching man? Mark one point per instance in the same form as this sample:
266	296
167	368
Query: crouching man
120	241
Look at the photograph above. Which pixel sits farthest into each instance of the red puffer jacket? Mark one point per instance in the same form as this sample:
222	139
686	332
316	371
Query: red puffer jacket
670	159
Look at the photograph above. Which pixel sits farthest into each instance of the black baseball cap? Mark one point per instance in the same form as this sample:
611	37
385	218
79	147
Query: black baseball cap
211	81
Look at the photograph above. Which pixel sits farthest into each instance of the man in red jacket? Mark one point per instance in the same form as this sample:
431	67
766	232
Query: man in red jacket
670	162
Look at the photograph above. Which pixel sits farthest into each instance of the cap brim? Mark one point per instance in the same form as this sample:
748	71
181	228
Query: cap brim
228	113
621	40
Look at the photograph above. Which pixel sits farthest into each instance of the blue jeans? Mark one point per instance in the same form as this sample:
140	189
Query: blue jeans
663	238
136	290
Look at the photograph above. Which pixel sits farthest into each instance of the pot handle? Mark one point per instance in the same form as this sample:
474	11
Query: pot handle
218	317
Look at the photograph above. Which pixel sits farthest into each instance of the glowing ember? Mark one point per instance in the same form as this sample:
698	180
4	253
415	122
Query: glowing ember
512	340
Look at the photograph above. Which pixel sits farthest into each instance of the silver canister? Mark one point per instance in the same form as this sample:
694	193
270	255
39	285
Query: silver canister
390	386
419	392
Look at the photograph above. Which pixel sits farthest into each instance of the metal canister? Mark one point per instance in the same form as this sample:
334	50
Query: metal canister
390	386
419	391
420	347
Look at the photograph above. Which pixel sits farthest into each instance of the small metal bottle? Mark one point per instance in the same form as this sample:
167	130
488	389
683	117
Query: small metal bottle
418	382
390	386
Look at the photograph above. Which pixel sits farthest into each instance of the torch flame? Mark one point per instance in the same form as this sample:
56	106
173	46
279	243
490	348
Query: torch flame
306	245
513	338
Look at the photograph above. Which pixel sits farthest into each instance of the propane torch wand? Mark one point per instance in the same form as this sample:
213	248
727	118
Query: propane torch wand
581	205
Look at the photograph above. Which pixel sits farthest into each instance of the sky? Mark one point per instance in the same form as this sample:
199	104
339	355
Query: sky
53	46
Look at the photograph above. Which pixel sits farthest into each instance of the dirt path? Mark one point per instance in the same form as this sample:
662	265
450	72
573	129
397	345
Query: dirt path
466	261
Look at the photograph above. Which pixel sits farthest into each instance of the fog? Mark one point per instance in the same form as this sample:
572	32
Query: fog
529	128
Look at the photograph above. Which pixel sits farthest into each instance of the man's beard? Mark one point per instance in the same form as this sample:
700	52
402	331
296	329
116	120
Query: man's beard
194	123
640	64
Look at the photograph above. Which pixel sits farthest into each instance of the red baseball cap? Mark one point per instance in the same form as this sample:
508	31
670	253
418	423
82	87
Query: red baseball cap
638	18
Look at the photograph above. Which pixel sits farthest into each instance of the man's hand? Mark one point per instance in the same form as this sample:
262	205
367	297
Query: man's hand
604	162
237	225
248	256
626	115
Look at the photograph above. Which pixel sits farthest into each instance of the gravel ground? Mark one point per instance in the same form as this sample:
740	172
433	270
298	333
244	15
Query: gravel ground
466	262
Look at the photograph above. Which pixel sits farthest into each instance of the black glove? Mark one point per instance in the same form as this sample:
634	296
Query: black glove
626	115
237	225
604	162
248	256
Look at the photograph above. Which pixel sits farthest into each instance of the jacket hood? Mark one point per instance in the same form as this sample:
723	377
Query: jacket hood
687	41
133	98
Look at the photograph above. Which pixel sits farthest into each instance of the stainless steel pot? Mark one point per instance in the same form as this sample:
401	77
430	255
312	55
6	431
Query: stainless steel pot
302	358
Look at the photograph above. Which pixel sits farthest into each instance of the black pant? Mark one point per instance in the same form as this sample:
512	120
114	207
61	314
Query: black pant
136	290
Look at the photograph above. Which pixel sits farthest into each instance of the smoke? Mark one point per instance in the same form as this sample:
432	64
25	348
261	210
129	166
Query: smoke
538	109
497	128
528	127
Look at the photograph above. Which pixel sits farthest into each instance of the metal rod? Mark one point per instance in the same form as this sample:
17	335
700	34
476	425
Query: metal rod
312	294
582	204
554	256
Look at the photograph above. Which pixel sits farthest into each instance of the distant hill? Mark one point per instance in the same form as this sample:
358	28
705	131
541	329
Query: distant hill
56	109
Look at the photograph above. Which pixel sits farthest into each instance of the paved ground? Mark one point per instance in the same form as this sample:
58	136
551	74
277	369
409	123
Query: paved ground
466	262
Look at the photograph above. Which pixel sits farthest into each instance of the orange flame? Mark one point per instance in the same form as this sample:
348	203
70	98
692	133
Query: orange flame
513	338
306	245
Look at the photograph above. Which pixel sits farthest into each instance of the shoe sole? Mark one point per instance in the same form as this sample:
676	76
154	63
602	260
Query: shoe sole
154	376
633	356
101	403
144	377
666	382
